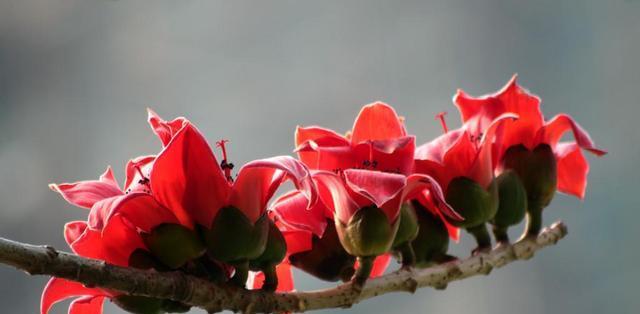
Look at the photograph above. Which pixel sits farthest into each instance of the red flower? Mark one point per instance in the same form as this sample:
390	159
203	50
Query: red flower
378	141
531	130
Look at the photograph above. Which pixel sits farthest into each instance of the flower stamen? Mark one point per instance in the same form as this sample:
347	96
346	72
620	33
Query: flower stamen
443	122
224	164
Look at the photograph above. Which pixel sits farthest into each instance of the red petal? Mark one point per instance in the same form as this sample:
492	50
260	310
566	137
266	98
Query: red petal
482	168
478	113
335	195
380	264
377	121
187	179
427	201
297	241
133	177
165	130
378	187
58	289
86	193
572	169
73	230
140	209
258	180
393	155
86	305
326	156
418	183
554	129
315	133
458	158
119	240
89	244
285	278
291	209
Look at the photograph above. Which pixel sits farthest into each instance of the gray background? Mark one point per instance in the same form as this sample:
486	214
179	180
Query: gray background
76	77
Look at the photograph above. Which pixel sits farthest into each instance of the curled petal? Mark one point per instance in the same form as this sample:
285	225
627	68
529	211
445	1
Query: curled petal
187	179
86	305
323	156
379	188
58	289
377	121
291	209
335	195
165	130
86	193
416	186
89	244
572	169
258	180
555	128
140	209
319	134
392	155
73	230
426	200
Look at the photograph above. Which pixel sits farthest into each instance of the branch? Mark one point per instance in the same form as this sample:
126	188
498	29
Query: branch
45	260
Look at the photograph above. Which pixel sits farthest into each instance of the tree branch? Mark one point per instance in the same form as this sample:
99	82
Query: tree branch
45	260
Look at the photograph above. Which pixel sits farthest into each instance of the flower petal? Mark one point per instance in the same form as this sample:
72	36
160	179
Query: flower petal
86	305
479	112
483	167
335	195
555	128
137	170
297	240
285	278
187	179
380	265
426	200
572	169
119	240
258	180
140	209
291	209
73	230
378	187
58	289
392	155
165	130
377	121
416	186
85	193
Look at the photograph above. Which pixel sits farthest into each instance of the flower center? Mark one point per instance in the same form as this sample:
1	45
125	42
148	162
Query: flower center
224	164
144	180
443	122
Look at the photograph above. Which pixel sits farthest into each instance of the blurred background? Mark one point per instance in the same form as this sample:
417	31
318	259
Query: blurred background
76	77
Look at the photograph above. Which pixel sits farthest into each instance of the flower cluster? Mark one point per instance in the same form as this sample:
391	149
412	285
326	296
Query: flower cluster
359	199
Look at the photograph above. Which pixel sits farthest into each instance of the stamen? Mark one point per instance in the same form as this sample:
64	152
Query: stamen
145	179
440	116
224	164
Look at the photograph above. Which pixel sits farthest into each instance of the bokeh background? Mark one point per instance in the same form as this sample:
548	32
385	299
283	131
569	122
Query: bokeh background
76	77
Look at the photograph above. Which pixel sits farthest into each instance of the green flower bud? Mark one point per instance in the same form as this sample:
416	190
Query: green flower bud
407	232
538	171
273	254
327	259
512	205
233	238
173	245
368	233
432	242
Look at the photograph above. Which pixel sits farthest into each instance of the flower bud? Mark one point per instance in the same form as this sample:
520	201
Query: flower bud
274	252
432	242
368	233
512	204
233	238
173	245
327	259
407	232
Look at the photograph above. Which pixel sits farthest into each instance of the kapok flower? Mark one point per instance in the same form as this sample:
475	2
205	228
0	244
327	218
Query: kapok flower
531	146
127	239
461	163
366	206
229	213
378	141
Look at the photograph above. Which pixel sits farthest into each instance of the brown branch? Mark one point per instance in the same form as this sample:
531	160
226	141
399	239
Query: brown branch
45	260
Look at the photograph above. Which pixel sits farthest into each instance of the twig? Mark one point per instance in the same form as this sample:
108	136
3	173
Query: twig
45	260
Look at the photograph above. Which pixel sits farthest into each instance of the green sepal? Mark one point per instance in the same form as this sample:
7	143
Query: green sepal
173	245
233	238
408	229
474	203
368	232
513	200
537	170
274	252
327	259
432	242
139	305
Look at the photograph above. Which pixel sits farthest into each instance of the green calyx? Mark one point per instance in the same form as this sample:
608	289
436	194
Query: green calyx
368	232
173	245
233	238
432	242
327	260
538	171
408	229
274	252
474	203
512	205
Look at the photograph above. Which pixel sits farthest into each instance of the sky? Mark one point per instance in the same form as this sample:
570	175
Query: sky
77	76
